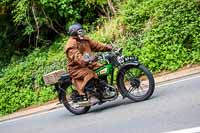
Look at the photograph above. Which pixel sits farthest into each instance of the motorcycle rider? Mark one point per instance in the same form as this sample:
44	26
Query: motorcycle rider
81	64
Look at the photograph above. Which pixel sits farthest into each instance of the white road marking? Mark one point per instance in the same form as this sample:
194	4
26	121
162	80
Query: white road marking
177	81
29	116
188	130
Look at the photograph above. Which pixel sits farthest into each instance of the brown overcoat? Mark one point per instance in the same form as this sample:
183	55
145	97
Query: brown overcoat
81	73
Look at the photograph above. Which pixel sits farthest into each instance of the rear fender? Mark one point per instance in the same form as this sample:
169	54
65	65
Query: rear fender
62	84
59	91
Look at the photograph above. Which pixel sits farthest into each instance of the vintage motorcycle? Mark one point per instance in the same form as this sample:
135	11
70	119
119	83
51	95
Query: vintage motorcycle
119	75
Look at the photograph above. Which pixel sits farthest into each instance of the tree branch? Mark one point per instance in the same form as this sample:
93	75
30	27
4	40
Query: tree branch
36	22
110	4
51	23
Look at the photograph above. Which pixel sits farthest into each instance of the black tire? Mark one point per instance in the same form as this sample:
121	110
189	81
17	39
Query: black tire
149	79
67	105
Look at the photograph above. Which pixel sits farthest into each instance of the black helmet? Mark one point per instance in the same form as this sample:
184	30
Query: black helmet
74	28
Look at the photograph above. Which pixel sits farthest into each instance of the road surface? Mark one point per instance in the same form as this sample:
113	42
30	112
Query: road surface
175	105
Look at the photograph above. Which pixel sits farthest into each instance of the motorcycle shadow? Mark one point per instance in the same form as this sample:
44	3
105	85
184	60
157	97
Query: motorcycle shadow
114	104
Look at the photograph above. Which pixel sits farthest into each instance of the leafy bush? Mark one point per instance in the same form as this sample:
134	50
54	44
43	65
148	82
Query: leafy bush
22	84
40	21
29	24
164	33
109	32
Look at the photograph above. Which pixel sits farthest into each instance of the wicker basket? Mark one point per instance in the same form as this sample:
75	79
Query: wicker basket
53	77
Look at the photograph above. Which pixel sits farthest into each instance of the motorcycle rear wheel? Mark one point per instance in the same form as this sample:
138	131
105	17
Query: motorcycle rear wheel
68	103
139	79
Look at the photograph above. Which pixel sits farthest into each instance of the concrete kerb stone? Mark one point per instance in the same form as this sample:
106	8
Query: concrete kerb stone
177	74
31	111
160	79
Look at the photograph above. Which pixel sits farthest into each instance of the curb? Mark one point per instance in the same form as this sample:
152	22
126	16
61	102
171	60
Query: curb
165	77
185	72
40	109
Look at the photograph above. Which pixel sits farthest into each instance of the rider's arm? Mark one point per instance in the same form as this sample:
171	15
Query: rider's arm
74	55
98	47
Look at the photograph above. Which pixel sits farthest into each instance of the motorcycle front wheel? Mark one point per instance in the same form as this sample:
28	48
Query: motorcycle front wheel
68	102
136	82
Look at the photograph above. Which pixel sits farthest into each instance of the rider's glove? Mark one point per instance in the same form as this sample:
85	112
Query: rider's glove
84	62
89	59
93	58
109	47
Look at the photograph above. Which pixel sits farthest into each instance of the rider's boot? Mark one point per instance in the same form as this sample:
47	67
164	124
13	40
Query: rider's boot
84	101
89	89
88	99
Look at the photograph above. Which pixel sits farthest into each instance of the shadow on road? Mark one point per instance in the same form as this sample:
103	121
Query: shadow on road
110	105
115	104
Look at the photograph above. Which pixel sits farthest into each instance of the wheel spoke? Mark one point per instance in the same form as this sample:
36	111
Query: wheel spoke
128	78
130	75
138	91
131	89
144	87
141	88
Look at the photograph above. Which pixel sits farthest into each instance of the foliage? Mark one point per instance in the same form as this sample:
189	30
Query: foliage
163	33
6	45
42	20
110	31
30	24
22	84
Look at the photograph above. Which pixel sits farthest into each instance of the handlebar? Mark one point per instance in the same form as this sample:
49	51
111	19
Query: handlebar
114	51
91	59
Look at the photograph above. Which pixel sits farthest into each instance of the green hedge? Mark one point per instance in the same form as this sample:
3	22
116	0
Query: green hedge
163	33
22	84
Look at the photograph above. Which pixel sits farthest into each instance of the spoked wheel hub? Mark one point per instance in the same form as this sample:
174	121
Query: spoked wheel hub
135	82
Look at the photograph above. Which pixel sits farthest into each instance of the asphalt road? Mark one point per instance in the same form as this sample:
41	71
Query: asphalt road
175	105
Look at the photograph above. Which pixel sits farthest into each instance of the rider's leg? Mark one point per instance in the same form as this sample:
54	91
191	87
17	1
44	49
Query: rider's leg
90	85
85	93
89	90
83	78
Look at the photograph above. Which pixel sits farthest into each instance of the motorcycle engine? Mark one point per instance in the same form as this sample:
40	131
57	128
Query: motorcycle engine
107	90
